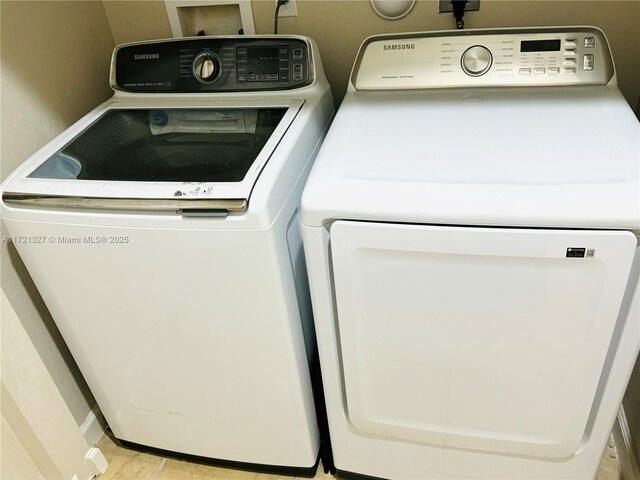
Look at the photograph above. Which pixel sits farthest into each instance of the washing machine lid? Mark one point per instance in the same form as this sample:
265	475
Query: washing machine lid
188	155
531	156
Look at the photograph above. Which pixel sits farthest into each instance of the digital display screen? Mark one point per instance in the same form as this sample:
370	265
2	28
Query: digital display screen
263	61
540	46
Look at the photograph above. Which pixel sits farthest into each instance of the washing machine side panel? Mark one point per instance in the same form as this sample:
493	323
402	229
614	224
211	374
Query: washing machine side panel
484	339
183	336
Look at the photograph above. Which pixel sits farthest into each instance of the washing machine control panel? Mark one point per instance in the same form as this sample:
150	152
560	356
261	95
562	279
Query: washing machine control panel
507	57
213	64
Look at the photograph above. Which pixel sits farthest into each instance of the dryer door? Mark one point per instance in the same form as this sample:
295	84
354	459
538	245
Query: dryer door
481	338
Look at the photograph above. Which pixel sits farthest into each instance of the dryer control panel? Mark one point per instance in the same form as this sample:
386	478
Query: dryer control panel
485	58
213	64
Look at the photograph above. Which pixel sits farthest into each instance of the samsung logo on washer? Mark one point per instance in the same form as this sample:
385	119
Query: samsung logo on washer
146	56
399	46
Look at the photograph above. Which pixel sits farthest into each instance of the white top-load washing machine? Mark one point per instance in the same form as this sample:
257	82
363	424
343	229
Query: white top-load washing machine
162	231
471	232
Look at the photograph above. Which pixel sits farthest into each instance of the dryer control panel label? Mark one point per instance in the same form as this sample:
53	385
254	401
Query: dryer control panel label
484	58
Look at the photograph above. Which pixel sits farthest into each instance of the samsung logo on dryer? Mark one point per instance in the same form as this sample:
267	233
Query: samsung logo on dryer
146	56
399	46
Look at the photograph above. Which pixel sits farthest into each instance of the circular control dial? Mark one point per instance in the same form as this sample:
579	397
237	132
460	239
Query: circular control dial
476	60
206	67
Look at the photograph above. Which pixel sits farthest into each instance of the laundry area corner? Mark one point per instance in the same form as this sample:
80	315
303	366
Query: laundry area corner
353	239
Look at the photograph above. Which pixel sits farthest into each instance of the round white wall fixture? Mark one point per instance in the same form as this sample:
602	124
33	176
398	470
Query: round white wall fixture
392	9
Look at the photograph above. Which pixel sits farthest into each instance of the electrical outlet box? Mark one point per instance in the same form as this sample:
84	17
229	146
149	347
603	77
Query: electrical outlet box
289	9
215	17
446	7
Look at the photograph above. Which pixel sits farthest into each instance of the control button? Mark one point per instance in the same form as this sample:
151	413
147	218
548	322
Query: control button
569	53
476	60
553	70
206	67
587	62
589	42
525	71
272	77
570	43
297	53
297	71
569	70
252	77
570	62
538	71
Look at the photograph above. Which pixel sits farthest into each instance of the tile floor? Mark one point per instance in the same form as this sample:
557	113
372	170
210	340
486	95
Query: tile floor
125	464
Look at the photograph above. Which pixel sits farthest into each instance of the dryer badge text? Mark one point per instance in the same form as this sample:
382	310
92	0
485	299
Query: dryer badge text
580	252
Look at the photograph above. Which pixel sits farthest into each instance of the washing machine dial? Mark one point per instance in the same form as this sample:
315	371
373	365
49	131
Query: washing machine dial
476	60
206	67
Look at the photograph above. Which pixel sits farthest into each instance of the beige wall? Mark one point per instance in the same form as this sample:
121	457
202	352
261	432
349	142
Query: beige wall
339	26
632	409
55	58
40	437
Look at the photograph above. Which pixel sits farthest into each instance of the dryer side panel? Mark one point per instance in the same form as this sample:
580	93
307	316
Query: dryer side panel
478	338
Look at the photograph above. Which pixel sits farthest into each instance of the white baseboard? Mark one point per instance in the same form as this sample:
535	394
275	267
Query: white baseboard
96	461
93	426
625	448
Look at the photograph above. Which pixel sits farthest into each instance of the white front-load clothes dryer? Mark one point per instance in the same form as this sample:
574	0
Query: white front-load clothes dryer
162	231
471	233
